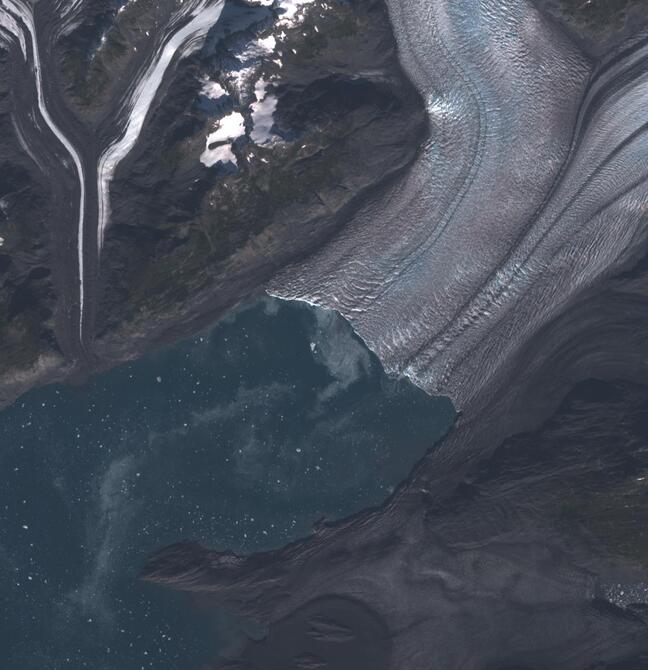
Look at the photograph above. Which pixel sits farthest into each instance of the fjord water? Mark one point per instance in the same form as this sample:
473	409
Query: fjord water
239	438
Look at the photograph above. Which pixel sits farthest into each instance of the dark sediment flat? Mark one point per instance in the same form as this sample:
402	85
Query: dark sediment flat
538	558
329	632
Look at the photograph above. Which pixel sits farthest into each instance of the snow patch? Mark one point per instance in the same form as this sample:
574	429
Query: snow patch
262	113
229	128
212	89
293	12
201	15
268	44
239	79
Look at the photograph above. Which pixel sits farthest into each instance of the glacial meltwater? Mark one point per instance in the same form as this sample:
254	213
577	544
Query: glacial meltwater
239	438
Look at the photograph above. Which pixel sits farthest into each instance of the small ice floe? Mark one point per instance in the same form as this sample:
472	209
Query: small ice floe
262	113
230	127
212	89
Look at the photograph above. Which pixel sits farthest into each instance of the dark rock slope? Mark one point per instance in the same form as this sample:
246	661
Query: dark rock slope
256	147
515	544
536	558
28	295
187	240
598	24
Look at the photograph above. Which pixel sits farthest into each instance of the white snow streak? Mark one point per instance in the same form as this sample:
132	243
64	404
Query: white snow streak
203	16
10	10
10	25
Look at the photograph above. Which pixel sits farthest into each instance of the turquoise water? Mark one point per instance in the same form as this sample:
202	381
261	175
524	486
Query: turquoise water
239	438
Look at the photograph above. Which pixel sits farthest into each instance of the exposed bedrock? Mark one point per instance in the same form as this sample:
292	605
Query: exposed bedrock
507	267
214	142
537	559
531	555
323	115
34	285
597	25
531	190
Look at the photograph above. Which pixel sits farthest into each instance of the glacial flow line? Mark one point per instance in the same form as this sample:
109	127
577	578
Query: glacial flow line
202	14
11	12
